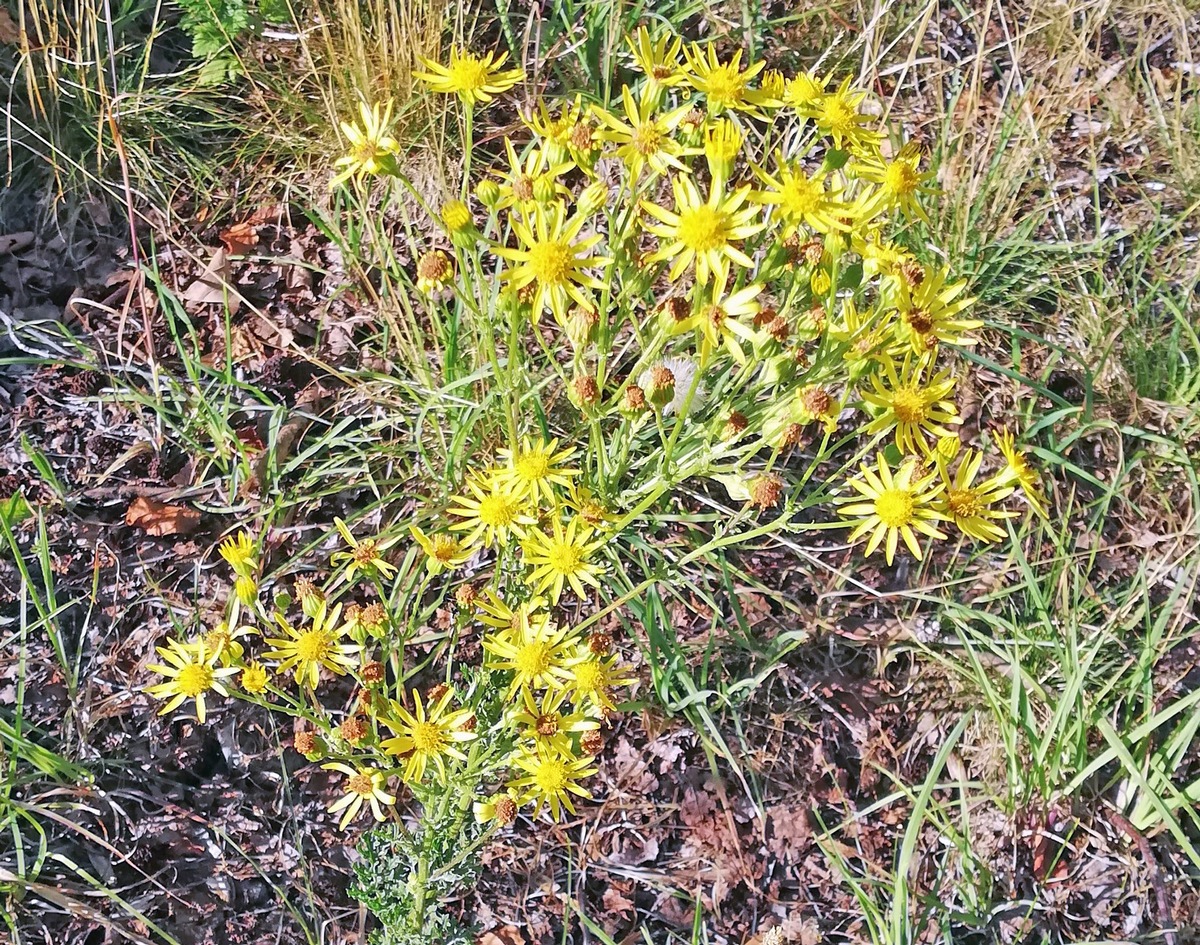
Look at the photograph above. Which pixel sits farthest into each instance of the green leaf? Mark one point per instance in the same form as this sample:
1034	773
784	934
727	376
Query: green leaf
14	510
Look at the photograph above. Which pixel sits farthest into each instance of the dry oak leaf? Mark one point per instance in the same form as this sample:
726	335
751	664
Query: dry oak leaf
159	518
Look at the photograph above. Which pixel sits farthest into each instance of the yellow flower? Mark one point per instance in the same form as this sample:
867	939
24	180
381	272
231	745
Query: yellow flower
493	611
591	681
702	231
658	60
719	323
191	672
837	115
644	138
1019	470
970	506
900	181
434	271
521	183
365	556
442	552
306	651
802	199
427	736
551	779
254	678
915	409
556	133
931	313
547	725
239	551
724	85
372	148
533	469
591	511
472	78
814	402
722	144
223	642
552	258
562	558
363	785
895	507
493	512
804	90
535	652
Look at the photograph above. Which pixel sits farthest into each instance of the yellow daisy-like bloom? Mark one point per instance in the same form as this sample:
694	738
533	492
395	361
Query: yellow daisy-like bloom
901	183
720	325
725	85
658	60
442	552
931	313
520	185
191	673
592	679
535	652
493	611
372	149
472	78
556	132
363	786
306	651
896	507
970	506
552	258
804	90
914	408
223	642
879	256
239	551
837	115
801	199
703	231
533	469
255	678
591	511
722	145
427	736
365	555
493	512
434	271
547	725
561	558
1019	470
645	138
551	779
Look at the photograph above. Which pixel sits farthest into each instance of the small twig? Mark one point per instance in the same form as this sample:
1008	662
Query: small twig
1160	889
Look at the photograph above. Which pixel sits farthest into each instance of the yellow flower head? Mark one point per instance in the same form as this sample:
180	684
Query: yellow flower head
306	650
725	85
592	679
239	551
1019	470
931	313
551	779
533	469
254	678
916	409
658	60
892	506
442	552
427	736
520	185
472	78
703	231
547	724
365	555
535	652
971	507
492	512
363	786
801	199
561	557
837	115
645	138
900	183
372	148
191	672
722	144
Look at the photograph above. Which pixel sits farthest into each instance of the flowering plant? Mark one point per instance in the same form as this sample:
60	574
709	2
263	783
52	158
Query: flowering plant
703	282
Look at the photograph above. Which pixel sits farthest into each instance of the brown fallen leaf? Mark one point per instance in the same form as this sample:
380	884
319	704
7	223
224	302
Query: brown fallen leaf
240	238
9	31
214	285
159	518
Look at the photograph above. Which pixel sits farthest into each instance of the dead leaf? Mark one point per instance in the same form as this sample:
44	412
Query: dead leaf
13	242
159	518
213	287
240	238
9	31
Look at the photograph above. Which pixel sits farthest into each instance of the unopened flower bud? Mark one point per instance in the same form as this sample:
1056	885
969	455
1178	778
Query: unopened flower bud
488	192
592	198
246	589
581	325
721	146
